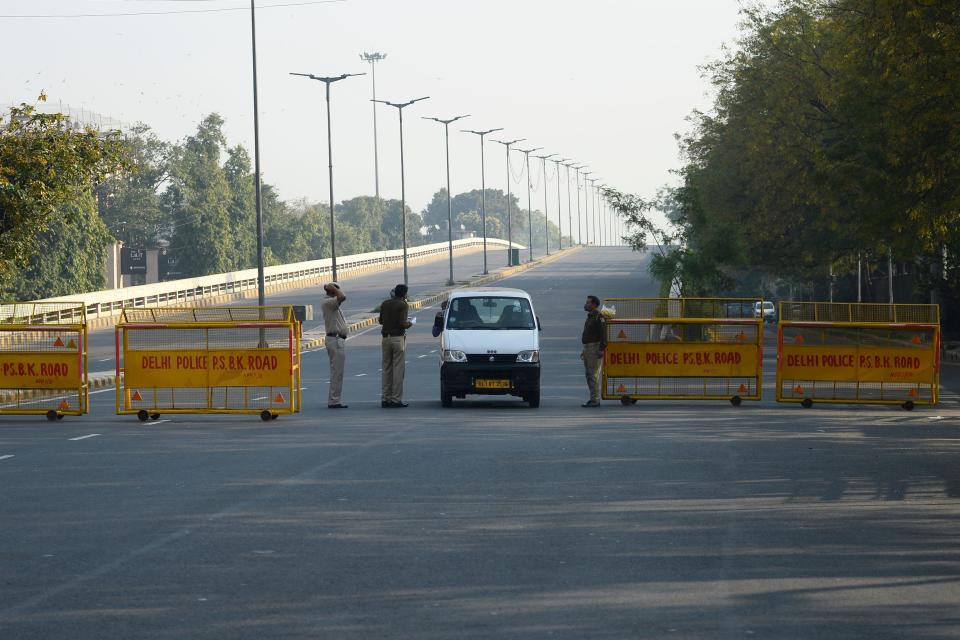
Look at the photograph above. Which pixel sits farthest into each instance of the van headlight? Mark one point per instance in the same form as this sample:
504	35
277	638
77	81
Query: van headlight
528	356
454	355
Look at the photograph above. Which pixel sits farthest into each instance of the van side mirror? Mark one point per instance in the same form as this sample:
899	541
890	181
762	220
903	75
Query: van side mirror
539	326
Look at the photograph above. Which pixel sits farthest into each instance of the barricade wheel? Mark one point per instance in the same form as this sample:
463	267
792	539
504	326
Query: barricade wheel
266	416
908	405
51	415
736	400
154	416
274	416
59	416
625	400
806	403
142	415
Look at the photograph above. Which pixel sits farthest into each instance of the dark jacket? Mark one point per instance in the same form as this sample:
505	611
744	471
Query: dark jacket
393	317
594	330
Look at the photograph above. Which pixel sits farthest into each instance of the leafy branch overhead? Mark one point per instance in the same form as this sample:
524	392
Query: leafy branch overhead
44	163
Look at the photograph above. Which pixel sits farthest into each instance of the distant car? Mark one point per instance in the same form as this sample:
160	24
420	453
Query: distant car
769	311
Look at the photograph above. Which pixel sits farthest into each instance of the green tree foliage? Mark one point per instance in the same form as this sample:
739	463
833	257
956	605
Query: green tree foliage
198	202
45	164
73	249
835	132
129	202
465	209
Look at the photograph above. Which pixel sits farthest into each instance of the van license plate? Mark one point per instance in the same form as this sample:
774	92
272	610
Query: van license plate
491	384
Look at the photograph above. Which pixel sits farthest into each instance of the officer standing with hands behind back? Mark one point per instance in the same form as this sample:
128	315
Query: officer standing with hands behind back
335	342
394	323
594	339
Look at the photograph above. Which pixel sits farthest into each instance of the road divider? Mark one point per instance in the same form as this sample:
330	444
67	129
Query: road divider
208	360
860	353
43	359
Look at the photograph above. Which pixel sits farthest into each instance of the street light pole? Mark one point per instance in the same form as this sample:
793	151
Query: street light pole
526	154
373	59
509	202
483	191
446	133
327	81
403	186
569	209
557	162
546	216
588	221
261	282
580	225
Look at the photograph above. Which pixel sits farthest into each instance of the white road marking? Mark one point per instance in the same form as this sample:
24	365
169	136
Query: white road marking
433	351
359	375
104	359
423	356
260	398
148	424
6	456
89	435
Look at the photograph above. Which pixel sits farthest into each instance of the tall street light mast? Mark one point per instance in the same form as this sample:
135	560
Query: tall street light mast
327	81
557	162
261	282
403	187
483	191
546	217
526	154
446	133
373	59
509	201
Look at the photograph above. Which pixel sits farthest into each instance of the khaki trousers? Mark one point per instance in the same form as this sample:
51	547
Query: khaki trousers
393	365
337	352
592	359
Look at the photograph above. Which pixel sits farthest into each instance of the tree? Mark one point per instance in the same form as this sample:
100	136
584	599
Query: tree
44	164
198	202
74	250
129	202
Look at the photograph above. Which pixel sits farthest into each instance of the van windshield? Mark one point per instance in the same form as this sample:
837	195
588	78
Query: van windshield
490	313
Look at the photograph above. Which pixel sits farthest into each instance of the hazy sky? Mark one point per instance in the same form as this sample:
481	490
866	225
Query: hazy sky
604	82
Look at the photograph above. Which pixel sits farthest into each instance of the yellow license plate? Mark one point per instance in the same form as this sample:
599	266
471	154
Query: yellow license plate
491	384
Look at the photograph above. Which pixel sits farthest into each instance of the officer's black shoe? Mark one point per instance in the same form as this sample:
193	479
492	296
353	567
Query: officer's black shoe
337	406
590	403
384	404
398	405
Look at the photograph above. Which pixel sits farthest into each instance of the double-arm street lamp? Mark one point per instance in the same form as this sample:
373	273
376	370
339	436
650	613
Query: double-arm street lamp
546	217
557	162
328	80
588	218
509	201
446	132
526	154
403	188
483	191
580	224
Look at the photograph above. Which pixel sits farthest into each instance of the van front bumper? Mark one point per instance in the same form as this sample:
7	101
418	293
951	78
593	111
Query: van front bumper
460	378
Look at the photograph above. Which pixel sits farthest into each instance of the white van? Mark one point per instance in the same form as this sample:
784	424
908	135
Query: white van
490	345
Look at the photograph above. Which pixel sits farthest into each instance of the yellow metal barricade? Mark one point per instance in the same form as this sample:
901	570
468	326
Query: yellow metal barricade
208	360
858	353
683	349
43	359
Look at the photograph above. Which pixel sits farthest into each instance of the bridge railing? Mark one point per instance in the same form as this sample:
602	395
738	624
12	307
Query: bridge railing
189	291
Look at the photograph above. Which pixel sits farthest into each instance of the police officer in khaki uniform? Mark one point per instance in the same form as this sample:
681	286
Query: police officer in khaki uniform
394	323
335	342
594	339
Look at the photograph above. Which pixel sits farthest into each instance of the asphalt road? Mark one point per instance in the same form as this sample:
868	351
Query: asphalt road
487	520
